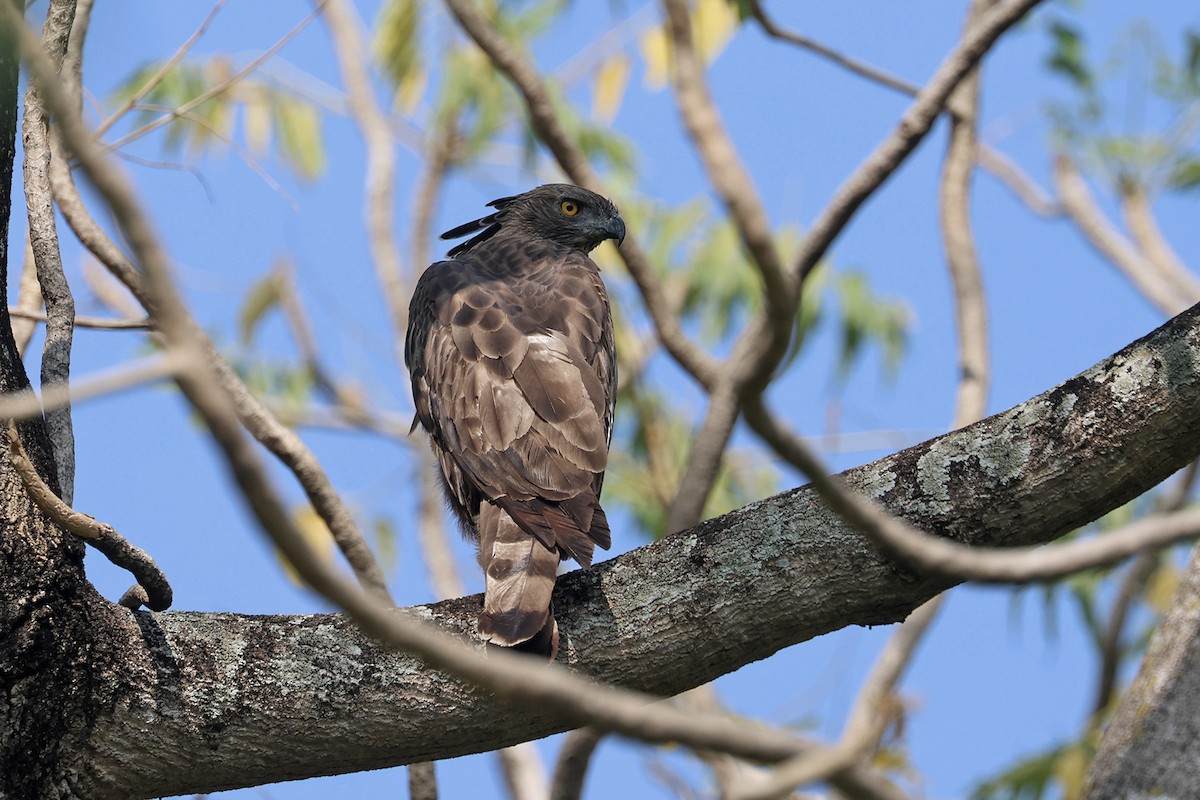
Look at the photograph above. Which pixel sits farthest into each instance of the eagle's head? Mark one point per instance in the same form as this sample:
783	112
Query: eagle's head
559	212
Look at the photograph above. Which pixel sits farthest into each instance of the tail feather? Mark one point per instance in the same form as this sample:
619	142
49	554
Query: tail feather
520	573
573	526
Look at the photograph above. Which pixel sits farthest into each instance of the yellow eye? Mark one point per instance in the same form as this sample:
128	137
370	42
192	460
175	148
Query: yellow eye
569	207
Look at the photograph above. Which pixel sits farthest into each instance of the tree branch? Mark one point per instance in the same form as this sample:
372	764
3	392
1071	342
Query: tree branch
773	574
1139	219
1149	748
866	722
958	238
1079	204
102	536
726	172
351	49
43	240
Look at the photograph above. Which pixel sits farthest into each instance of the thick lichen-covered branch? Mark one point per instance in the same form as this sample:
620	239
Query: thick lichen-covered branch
728	592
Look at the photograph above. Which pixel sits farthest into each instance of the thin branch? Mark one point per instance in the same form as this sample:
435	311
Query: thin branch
1079	204
229	141
43	240
860	68
1135	578
867	720
726	172
1139	219
351	50
214	91
1005	170
20	405
572	160
99	535
29	303
96	323
913	126
574	758
704	457
162	72
992	160
958	238
940	556
1110	641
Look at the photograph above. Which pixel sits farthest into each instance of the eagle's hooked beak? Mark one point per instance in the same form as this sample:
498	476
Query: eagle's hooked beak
615	228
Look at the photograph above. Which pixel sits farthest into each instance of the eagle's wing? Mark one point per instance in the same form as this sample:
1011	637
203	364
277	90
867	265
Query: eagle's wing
515	381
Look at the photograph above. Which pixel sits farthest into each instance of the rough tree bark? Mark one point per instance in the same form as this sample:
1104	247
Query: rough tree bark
1151	746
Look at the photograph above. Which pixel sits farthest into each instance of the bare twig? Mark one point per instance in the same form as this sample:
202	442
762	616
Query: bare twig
854	65
19	405
96	323
1139	219
867	721
43	240
1079	204
162	72
226	139
913	126
704	458
726	172
218	89
1005	170
350	48
29	303
1135	578
992	160
958	238
940	556
1110	641
100	535
574	758
544	120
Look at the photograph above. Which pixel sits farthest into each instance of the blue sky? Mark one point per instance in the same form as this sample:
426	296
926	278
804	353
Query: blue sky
987	685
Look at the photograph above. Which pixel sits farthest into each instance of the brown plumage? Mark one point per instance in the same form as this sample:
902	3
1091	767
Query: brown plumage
510	349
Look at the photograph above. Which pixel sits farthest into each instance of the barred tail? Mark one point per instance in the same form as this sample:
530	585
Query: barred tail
520	574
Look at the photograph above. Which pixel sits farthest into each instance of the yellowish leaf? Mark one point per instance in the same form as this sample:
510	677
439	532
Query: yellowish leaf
608	88
1161	586
263	296
713	23
656	54
411	89
315	533
258	122
1070	768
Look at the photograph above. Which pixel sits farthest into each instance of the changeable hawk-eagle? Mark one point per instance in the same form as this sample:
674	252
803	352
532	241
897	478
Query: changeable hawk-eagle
510	349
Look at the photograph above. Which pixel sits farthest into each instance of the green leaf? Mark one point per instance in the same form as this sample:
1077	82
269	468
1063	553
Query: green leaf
1067	57
397	39
263	296
300	141
1185	174
744	9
